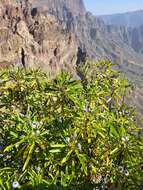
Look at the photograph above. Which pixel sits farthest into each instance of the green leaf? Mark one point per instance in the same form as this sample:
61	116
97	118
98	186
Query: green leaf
114	151
55	151
57	145
5	169
113	132
8	148
101	134
29	156
2	185
94	169
65	159
14	134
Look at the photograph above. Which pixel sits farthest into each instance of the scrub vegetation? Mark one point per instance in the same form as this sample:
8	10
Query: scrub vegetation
67	133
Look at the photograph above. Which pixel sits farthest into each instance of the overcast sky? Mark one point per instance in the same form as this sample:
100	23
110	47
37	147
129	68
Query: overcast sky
100	7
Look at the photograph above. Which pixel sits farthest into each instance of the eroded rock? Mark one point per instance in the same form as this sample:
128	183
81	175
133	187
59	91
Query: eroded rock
34	40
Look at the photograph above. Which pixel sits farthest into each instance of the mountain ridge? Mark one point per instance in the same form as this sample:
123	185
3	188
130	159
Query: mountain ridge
131	19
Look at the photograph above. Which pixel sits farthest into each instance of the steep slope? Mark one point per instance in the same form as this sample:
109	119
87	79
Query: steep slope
129	19
35	41
133	37
98	40
55	6
34	37
129	28
136	38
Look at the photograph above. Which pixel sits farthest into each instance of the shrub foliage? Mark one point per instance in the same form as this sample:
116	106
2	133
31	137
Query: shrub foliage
64	133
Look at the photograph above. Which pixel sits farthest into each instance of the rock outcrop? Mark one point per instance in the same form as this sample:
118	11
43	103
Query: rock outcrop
98	40
49	34
33	38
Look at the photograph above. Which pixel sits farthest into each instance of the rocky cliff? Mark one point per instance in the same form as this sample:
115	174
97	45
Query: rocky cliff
93	36
98	40
130	26
60	7
134	38
39	33
34	38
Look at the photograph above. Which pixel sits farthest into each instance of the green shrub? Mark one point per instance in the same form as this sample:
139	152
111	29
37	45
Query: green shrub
68	134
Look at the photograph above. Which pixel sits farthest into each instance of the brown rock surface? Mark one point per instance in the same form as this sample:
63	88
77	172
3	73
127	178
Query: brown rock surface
34	41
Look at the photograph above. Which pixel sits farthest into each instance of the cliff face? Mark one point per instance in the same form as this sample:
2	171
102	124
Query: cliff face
136	38
34	38
97	39
41	37
129	26
59	7
133	37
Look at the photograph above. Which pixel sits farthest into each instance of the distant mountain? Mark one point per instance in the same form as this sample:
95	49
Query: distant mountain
128	27
129	19
133	37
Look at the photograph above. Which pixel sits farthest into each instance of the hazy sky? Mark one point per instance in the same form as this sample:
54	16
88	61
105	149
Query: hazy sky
112	6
